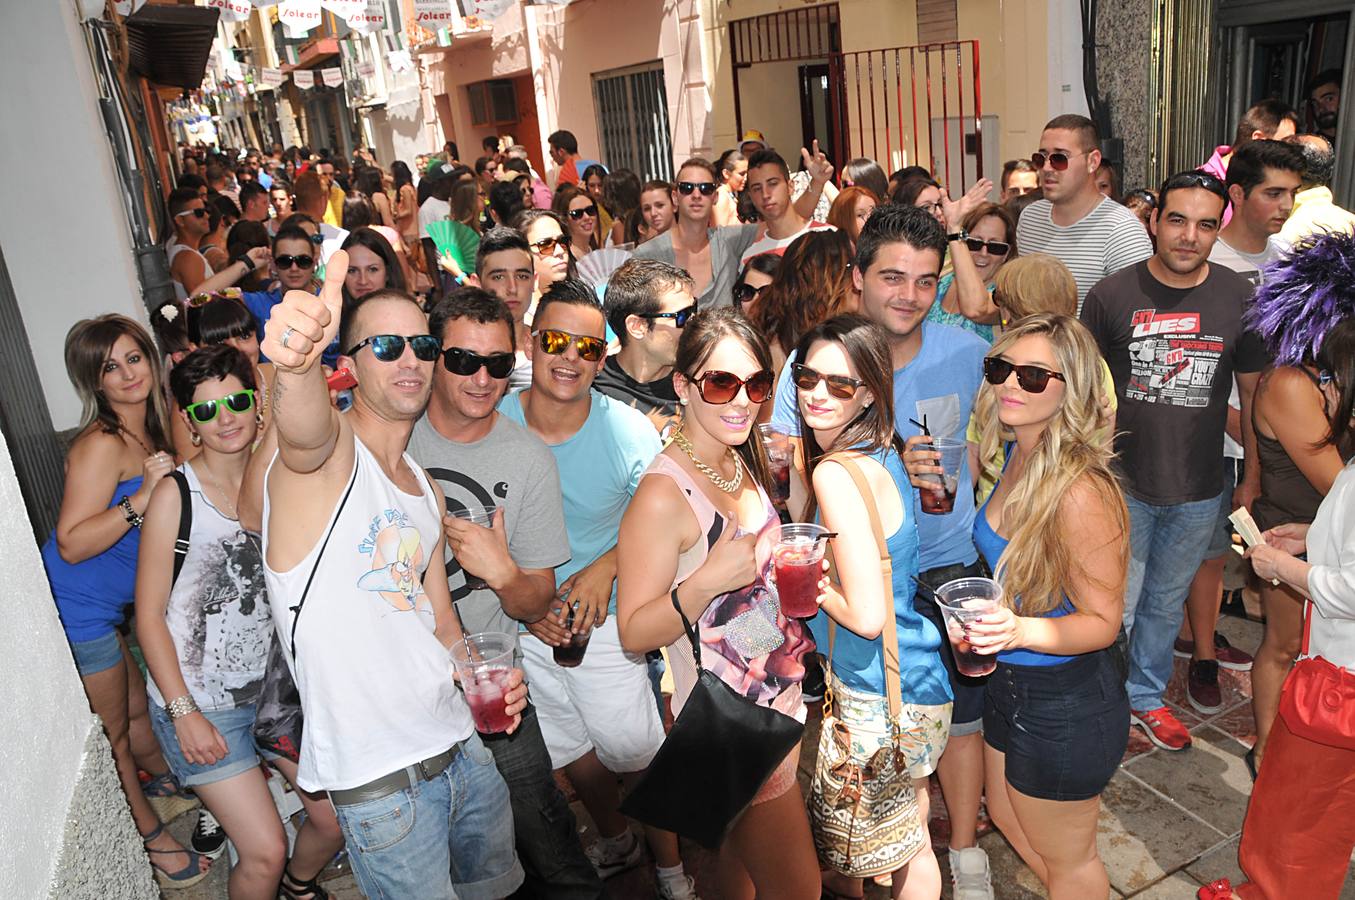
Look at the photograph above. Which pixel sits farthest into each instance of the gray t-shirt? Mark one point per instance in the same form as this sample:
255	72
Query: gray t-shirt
727	245
1101	243
512	468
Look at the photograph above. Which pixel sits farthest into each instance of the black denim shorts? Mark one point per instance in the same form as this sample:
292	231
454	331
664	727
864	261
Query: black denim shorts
966	715
1063	728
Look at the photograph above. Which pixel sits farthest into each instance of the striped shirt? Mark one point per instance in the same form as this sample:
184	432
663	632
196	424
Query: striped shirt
1101	243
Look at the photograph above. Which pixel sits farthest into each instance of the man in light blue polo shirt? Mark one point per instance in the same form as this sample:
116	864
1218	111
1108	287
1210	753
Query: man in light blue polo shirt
597	716
937	370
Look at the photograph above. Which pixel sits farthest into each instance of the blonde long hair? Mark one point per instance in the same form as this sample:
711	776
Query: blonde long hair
1039	562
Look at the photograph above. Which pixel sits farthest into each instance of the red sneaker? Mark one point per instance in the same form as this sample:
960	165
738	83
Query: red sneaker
1161	727
1215	890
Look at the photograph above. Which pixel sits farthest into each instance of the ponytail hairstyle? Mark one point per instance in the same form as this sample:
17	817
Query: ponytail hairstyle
1040	562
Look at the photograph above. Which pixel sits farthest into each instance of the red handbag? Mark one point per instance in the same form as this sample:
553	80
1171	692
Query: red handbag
1318	700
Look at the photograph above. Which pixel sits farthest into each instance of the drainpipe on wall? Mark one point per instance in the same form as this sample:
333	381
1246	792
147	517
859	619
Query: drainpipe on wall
1112	148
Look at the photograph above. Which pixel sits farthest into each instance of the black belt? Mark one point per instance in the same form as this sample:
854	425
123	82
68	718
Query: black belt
386	785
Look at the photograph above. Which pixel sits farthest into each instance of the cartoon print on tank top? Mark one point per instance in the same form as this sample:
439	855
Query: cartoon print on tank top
746	641
397	555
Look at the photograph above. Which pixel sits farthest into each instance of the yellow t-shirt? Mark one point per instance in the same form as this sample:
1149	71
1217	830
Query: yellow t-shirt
985	484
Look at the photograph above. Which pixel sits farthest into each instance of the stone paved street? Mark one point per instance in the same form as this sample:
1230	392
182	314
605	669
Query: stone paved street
1169	821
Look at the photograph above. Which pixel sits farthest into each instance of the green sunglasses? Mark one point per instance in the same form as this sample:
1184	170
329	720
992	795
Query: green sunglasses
205	411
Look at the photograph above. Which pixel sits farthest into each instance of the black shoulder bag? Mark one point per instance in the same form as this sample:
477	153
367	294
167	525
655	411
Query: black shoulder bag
721	750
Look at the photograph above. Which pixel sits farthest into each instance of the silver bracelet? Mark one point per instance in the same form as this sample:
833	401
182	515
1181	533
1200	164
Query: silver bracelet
181	706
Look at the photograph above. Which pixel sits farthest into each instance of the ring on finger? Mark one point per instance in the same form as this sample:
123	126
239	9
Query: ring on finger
286	335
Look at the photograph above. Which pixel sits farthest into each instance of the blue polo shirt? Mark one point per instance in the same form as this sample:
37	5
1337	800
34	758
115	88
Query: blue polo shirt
261	304
939	383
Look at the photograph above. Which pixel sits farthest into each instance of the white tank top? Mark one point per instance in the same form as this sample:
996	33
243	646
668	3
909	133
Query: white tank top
218	610
174	249
376	684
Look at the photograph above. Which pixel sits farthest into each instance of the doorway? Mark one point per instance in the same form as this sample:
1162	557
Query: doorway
817	119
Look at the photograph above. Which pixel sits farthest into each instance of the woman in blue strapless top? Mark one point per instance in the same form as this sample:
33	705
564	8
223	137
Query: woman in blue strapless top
1056	533
115	462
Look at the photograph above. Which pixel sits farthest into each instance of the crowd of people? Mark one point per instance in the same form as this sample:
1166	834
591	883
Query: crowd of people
571	429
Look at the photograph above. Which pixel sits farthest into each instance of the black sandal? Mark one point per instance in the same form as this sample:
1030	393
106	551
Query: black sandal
293	888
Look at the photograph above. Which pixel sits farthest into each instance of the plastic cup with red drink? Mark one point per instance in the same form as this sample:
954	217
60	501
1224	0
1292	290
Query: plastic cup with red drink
940	499
962	601
570	654
483	664
780	454
797	557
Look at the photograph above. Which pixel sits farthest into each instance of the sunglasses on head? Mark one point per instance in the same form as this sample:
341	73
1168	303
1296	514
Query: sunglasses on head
679	318
460	361
195	213
717	387
317	239
557	342
549	245
301	261
577	214
1032	379
744	293
1058	160
390	347
706	188
202	299
996	248
206	410
1146	196
843	387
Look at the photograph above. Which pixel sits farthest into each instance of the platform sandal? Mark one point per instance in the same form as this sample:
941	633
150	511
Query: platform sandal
189	875
167	798
293	888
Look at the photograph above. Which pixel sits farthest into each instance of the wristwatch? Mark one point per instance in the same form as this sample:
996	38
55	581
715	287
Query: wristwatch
954	236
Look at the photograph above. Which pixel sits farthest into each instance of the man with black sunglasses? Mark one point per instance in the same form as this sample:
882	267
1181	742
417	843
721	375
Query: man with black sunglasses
353	557
1171	331
1091	234
598	717
647	304
501	576
187	267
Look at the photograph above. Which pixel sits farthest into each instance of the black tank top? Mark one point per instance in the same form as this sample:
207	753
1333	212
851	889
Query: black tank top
1286	493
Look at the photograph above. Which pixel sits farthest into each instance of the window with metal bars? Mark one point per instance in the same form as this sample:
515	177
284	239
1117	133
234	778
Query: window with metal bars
632	111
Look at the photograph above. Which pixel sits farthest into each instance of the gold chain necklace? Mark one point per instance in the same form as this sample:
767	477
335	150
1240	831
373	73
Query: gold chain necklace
728	485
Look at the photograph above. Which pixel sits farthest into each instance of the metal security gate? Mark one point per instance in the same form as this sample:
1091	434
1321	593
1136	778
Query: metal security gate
900	106
632	110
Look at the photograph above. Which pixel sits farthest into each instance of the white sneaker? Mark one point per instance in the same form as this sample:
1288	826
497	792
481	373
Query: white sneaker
681	890
609	864
969	874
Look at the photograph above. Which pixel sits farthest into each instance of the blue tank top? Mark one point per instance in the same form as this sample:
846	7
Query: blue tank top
858	663
91	595
991	544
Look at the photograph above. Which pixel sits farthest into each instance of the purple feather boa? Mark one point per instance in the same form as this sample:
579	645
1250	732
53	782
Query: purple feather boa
1303	295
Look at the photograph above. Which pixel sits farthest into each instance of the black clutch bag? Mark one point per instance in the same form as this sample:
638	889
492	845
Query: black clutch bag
721	750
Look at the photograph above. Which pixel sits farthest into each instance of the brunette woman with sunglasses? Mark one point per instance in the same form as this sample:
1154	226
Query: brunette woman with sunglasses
845	405
688	539
985	242
120	455
1055	531
548	238
579	211
204	627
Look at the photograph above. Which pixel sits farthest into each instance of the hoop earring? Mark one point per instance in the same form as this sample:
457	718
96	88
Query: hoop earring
195	438
258	419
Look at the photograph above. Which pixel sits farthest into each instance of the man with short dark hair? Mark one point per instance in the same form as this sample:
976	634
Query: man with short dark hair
504	267
1019	177
647	303
187	267
1315	212
1324	96
254	202
1091	234
598	716
1171	331
769	188
564	152
1267	120
353	560
937	370
1263	178
313	200
501	576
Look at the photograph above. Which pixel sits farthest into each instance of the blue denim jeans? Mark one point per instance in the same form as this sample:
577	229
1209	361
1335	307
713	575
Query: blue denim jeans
1167	545
547	833
451	836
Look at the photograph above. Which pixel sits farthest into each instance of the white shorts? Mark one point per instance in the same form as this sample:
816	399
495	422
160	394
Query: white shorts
605	703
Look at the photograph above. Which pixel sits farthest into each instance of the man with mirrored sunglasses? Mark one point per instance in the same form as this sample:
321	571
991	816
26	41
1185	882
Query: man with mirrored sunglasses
352	543
1091	234
647	304
598	717
1171	331
502	576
